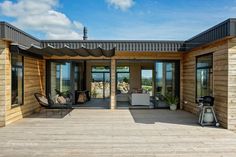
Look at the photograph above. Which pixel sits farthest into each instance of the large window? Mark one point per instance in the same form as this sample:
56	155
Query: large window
17	77
204	77
123	77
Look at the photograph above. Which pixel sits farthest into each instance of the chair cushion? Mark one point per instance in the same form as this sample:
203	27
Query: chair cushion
61	100
82	98
44	100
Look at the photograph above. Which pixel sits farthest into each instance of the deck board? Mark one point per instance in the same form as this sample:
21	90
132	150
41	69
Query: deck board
98	132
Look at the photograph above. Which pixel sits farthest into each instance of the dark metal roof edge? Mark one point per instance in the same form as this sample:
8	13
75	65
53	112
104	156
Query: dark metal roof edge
187	44
114	41
207	44
208	30
19	30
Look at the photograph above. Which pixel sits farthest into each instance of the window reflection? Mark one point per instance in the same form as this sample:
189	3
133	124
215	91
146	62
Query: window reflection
17	80
123	78
165	82
146	76
60	77
100	84
204	82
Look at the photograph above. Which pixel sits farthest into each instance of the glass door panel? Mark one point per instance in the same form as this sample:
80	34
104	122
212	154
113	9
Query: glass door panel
97	85
100	84
107	85
60	78
169	79
165	82
146	76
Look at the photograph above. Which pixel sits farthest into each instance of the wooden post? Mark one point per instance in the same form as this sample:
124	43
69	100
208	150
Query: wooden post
113	84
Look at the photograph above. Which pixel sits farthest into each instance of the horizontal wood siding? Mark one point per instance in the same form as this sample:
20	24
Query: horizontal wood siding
34	81
3	91
220	82
232	85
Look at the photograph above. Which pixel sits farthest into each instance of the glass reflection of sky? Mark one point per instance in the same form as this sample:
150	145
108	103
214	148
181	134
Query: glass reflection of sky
66	71
146	73
159	70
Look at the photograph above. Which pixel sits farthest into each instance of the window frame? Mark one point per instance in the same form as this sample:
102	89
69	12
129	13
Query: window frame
206	67
23	78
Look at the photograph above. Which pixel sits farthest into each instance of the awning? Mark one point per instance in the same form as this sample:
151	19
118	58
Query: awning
65	51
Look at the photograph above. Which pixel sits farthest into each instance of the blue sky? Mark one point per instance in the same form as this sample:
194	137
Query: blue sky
116	19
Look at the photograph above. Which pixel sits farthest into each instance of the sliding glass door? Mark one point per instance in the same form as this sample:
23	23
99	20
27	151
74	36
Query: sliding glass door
60	78
100	84
63	76
167	81
147	80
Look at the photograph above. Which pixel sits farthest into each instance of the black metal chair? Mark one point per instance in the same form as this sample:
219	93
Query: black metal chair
47	103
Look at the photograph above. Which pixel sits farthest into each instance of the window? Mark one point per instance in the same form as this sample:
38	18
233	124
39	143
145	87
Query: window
76	77
60	78
204	76
100	69
17	78
167	81
146	80
165	78
123	77
100	84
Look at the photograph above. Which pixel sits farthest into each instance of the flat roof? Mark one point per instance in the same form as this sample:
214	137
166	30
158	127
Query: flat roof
222	30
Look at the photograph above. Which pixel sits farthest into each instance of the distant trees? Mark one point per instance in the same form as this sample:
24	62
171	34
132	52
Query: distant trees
147	82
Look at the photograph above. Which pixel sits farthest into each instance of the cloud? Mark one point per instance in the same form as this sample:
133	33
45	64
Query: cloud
121	4
41	16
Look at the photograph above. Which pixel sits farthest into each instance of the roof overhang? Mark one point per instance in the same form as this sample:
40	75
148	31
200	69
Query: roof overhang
35	51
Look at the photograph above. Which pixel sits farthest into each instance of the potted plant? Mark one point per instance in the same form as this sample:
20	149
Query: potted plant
172	101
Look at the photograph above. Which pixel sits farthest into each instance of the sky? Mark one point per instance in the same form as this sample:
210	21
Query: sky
116	19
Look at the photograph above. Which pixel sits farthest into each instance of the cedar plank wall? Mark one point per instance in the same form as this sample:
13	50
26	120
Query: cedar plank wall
232	85
220	79
34	81
3	94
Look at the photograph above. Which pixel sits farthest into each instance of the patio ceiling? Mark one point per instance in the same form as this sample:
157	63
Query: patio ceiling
65	51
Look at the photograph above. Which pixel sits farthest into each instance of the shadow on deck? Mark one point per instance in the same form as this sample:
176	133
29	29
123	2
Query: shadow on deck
163	116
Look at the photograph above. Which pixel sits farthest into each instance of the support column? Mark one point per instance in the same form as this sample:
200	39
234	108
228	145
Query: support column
113	84
3	81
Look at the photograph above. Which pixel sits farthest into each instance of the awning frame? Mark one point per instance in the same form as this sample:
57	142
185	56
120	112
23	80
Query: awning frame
49	51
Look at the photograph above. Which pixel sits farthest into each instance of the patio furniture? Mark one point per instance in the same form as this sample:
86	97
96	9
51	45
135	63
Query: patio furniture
207	114
122	97
47	103
67	95
82	96
142	99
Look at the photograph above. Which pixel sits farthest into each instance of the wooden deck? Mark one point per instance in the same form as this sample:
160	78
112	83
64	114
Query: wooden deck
98	132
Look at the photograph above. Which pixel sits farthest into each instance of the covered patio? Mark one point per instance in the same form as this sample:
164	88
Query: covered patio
97	132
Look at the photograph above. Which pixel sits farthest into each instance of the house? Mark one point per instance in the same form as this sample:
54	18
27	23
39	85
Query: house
109	69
